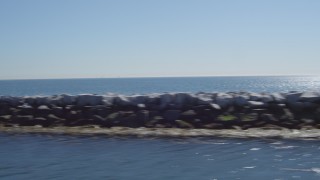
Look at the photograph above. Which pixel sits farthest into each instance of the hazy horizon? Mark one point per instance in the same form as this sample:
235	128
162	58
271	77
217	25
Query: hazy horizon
66	39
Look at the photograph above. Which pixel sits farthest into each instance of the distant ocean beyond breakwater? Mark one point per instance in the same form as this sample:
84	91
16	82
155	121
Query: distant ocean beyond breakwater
129	86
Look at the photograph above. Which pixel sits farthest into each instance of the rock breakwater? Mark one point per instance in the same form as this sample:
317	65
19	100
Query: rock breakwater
232	110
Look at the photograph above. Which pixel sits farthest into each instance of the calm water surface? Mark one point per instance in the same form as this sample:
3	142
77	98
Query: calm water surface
152	85
73	157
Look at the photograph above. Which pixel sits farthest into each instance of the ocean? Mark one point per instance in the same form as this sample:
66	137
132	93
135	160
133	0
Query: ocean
40	156
159	85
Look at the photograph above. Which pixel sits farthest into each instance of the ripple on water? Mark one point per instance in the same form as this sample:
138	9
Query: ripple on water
100	157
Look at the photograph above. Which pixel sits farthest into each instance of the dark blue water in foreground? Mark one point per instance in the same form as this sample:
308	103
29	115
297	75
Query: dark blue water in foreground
73	157
159	85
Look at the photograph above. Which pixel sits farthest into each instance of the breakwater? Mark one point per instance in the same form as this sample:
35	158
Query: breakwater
232	110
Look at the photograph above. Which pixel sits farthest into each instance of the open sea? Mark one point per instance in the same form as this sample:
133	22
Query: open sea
36	156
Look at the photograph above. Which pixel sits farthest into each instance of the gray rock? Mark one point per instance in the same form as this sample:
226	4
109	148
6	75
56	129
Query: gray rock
182	99
5	118
43	110
66	99
166	99
171	115
188	115
138	99
254	96
292	97
53	119
108	99
310	96
224	100
256	104
12	101
215	106
204	99
184	124
266	98
278	98
27	120
122	101
89	100
241	100
268	118
42	100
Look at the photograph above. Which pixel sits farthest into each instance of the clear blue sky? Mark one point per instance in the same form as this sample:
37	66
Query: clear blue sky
120	38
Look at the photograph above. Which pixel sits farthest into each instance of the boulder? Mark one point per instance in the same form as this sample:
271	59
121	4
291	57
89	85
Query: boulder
27	120
143	115
256	104
215	106
224	100
188	115
5	118
122	101
43	110
41	100
266	98
182	99
25	109
254	96
66	99
89	100
184	124
138	99
241	100
171	115
11	101
310	97
166	99
292	97
204	99
278	98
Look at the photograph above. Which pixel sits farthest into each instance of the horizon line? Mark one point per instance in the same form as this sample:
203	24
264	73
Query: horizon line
181	76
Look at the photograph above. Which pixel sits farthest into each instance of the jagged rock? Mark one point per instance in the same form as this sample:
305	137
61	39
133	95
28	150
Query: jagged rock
25	109
204	99
268	118
249	118
165	100
52	119
214	126
310	96
11	101
188	115
5	118
256	104
65	99
224	100
292	97
215	106
24	120
143	115
266	98
181	99
98	120
43	110
278	98
241	100
122	101
154	121
255	97
89	100
171	115
183	124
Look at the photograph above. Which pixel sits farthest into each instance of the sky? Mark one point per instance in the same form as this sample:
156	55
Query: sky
42	39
